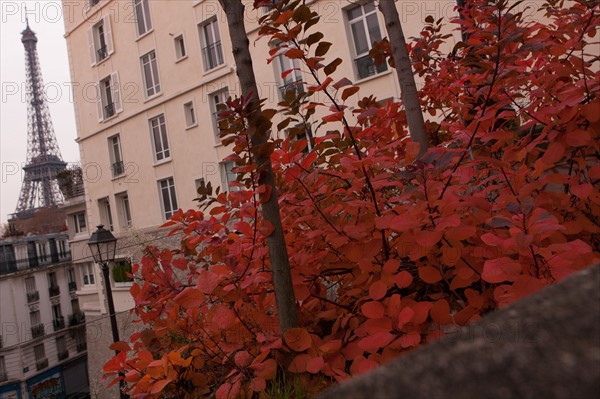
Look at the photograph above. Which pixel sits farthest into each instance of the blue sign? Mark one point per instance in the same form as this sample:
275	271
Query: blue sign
47	385
12	391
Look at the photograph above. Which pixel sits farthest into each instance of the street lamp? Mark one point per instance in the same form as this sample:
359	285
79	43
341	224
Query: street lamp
104	246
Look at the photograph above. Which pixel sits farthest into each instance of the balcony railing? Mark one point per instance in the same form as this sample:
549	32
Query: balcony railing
118	168
54	290
3	376
109	110
102	53
33	296
76	319
42	364
38	331
296	87
58	323
72	286
81	346
70	182
62	355
213	55
366	67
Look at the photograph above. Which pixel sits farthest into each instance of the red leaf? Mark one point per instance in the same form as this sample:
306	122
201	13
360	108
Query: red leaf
376	341
373	309
189	297
158	386
440	312
315	365
294	53
501	269
403	279
298	364
298	339
377	290
430	274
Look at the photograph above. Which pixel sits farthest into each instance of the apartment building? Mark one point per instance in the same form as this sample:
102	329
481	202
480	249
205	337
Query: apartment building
42	340
148	77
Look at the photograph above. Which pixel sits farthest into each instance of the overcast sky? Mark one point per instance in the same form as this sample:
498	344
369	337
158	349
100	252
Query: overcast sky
45	19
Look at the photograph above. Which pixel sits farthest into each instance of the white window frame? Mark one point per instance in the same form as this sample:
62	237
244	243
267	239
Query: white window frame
35	317
39	352
123	210
293	80
150	75
108	94
88	274
215	98
189	110
78	226
372	70
100	41
160	138
228	176
180	48
105	210
210	39
168	197
30	285
115	152
143	20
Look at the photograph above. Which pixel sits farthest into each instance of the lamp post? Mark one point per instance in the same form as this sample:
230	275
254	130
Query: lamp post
103	246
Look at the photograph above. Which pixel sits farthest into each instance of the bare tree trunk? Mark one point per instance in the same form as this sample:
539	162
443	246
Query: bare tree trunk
280	264
408	87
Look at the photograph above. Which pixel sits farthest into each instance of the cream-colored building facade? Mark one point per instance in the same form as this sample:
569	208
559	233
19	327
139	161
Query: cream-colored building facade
147	76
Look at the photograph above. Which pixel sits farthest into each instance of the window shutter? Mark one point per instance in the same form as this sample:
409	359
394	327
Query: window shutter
91	47
108	35
116	91
99	103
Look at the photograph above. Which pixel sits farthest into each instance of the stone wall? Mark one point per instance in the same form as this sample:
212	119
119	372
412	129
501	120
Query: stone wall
545	346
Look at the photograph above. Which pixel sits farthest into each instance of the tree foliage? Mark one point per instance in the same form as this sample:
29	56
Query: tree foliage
387	252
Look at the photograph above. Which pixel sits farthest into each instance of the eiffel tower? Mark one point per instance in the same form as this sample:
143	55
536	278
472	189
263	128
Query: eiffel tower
40	186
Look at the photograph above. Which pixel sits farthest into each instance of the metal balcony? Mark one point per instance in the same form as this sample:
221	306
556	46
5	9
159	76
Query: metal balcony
38	331
54	290
102	53
76	319
58	323
33	296
109	110
118	168
81	346
63	355
42	364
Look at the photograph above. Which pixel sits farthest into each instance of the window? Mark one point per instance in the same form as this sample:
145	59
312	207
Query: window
292	81
158	129
105	213
61	348
190	114
31	290
40	356
71	279
3	375
121	272
168	197
179	47
217	98
100	41
79	222
37	328
212	52
42	251
142	16
150	73
53	287
57	318
228	176
109	97
123	210
364	25
302	132
116	156
87	273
